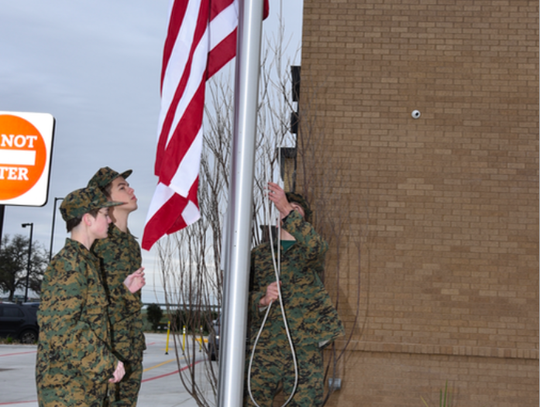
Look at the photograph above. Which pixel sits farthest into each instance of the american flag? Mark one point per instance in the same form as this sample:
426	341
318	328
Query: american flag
201	39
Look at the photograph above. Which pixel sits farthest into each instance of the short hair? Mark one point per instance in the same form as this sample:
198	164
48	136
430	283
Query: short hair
74	222
300	200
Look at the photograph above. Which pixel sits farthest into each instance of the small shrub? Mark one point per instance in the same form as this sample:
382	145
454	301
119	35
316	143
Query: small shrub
444	399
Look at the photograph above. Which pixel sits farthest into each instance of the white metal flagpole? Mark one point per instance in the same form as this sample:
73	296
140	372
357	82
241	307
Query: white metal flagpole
236	274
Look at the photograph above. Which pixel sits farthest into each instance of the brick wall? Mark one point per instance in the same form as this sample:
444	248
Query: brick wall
401	379
444	208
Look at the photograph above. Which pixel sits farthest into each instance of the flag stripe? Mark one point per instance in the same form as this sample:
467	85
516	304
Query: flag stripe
222	54
183	136
165	219
176	16
188	169
218	6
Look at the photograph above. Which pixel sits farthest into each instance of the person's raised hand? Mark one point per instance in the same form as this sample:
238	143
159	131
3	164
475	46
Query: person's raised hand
277	195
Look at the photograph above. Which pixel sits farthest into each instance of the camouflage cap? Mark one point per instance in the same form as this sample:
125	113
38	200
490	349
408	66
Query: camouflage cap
300	200
105	176
82	201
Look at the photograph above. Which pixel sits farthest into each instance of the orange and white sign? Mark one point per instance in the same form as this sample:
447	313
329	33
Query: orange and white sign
25	155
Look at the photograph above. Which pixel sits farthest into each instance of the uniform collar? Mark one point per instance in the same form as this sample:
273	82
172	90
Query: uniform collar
80	248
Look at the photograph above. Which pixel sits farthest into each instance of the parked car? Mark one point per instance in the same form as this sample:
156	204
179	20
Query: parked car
213	339
19	321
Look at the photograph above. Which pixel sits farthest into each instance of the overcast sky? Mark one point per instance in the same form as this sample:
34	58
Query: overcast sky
95	66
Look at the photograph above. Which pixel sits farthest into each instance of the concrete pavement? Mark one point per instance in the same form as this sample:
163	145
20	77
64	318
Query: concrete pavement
161	385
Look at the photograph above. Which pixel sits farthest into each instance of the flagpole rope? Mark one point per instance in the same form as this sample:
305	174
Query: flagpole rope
277	272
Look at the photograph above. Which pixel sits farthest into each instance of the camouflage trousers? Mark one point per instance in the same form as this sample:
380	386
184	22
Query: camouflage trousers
273	365
73	393
126	392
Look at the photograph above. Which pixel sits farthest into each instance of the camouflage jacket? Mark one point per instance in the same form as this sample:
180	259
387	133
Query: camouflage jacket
311	317
119	256
74	343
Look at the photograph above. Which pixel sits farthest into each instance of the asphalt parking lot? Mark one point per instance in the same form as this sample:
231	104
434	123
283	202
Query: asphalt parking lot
161	382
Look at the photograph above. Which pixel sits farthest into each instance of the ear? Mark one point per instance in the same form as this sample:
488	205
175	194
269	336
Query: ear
297	207
88	219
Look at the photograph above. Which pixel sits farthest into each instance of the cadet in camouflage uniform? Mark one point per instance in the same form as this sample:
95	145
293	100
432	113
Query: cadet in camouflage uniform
311	317
120	255
74	359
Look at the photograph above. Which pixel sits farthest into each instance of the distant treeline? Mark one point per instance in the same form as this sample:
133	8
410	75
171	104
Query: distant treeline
197	320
